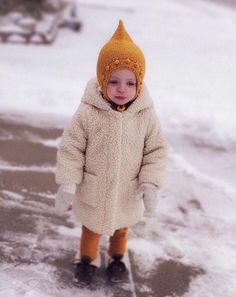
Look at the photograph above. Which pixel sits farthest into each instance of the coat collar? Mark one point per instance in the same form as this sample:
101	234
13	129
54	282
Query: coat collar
92	95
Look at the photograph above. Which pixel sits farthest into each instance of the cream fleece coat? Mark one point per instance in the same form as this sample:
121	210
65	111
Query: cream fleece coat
108	154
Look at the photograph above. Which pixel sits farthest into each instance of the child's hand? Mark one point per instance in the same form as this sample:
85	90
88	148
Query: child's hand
64	198
148	192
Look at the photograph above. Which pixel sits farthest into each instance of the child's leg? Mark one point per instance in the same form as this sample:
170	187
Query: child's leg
86	260
118	242
89	243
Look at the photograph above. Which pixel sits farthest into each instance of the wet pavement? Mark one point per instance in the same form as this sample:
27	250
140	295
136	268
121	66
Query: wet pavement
31	231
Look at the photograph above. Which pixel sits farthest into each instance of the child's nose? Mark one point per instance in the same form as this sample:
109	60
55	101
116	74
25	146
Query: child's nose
121	87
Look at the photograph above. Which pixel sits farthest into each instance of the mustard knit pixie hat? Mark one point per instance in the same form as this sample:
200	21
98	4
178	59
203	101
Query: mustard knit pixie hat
120	52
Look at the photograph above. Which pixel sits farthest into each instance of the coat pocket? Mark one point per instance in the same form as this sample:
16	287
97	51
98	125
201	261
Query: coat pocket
87	190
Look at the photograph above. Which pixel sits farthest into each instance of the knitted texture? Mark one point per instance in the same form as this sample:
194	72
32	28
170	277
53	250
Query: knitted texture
111	153
63	200
120	52
148	192
69	188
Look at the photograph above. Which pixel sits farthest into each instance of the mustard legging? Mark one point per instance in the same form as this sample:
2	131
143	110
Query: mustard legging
89	243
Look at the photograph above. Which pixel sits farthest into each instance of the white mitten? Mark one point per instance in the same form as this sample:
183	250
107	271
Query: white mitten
64	198
148	192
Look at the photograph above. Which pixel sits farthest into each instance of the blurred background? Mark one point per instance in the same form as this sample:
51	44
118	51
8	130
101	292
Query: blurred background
48	52
189	48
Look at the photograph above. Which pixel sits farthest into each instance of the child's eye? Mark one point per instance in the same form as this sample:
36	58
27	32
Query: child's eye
131	84
113	82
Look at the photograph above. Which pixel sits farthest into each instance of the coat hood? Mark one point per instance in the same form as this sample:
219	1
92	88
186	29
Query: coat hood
92	96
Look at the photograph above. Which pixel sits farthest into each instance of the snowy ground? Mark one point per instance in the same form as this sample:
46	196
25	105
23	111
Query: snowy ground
189	248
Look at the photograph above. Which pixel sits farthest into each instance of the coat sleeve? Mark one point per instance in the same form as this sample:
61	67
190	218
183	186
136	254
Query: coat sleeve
71	151
154	154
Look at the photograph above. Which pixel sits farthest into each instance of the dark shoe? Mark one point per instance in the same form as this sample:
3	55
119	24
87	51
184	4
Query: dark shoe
84	271
116	270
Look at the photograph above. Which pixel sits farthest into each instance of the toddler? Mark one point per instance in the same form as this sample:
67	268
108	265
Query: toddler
111	158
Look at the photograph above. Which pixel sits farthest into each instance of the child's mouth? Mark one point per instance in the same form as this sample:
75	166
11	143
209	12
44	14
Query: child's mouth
120	97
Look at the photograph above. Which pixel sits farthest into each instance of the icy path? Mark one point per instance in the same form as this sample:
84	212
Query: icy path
187	250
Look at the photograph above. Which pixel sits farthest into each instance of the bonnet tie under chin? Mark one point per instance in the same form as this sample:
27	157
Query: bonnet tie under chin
120	108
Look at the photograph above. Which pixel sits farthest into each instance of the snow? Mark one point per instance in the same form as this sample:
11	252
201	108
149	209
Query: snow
27	281
13	195
190	51
8	167
189	47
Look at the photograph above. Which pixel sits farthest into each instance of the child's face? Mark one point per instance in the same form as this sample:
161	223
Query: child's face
121	87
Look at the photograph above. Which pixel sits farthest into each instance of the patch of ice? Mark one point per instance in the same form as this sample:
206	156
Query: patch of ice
50	142
37	280
69	231
151	250
5	166
211	285
13	195
46	195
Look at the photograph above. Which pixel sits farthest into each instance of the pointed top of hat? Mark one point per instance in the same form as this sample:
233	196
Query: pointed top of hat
120	52
121	33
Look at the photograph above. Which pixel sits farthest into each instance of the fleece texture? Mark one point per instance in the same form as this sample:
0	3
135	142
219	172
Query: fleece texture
108	154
